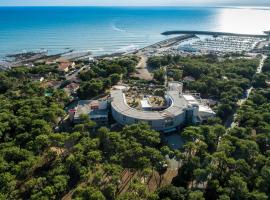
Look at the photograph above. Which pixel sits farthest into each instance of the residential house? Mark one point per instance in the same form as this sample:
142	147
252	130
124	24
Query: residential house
66	66
71	88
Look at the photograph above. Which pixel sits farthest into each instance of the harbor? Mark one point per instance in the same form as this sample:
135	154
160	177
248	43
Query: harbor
226	44
188	42
205	42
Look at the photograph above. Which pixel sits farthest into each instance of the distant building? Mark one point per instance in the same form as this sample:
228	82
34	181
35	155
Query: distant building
29	65
50	62
189	79
66	66
95	109
37	77
71	88
50	84
71	113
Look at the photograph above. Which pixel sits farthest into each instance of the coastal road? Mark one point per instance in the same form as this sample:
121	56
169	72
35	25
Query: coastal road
74	75
231	123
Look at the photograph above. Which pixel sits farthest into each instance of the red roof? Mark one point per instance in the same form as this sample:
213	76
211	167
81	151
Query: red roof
64	65
72	86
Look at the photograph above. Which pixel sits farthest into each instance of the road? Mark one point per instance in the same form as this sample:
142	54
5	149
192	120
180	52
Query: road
233	122
74	75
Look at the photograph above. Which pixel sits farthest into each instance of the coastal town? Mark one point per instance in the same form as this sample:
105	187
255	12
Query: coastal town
171	100
71	65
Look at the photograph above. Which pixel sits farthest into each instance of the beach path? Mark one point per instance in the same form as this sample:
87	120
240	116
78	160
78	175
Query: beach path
142	70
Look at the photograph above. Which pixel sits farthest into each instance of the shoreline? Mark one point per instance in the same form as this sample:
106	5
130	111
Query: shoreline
28	58
18	59
24	58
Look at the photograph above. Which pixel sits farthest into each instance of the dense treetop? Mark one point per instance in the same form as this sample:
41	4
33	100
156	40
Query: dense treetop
222	79
38	160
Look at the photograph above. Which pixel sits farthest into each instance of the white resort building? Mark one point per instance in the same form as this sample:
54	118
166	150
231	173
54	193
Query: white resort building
181	109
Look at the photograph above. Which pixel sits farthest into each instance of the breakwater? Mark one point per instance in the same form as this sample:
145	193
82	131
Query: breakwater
169	42
215	34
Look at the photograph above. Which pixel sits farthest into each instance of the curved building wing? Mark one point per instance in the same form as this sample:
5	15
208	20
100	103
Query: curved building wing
172	117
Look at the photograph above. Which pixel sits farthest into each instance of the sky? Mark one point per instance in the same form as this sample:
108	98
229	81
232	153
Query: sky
135	2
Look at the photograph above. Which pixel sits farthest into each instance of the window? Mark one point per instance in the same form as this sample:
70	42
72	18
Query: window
168	122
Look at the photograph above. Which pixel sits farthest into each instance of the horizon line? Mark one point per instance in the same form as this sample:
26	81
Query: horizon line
154	6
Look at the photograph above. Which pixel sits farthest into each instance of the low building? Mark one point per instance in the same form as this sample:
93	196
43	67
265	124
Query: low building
189	79
95	109
71	88
50	62
66	66
50	84
145	104
204	111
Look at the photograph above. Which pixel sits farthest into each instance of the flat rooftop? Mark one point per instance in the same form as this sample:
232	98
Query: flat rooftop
84	107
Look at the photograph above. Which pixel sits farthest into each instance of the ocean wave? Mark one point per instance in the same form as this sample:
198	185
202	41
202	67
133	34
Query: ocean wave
25	51
127	49
96	50
114	27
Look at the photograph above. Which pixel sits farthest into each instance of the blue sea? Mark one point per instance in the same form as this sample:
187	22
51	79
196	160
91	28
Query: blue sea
103	30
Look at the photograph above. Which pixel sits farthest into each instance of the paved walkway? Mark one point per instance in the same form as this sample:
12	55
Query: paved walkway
248	92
